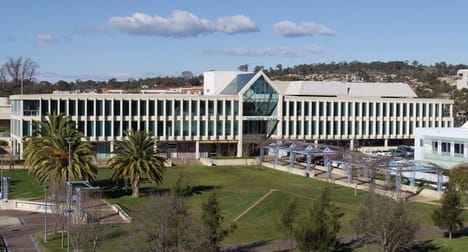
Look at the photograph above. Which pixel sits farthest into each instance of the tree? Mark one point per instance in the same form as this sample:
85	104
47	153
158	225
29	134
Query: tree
459	177
47	151
385	222
136	156
166	223
449	215
287	219
212	219
19	70
90	233
318	230
244	68
187	75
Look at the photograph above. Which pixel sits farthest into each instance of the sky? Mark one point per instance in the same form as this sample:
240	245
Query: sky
122	39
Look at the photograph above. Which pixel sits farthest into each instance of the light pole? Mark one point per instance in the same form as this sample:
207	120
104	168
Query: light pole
45	216
69	192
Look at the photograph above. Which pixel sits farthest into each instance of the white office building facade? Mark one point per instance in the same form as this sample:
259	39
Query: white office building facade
239	112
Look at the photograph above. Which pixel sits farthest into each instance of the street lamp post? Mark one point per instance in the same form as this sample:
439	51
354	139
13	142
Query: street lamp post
69	192
45	216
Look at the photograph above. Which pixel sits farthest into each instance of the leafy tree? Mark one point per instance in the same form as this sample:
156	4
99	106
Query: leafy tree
449	215
459	177
243	68
318	230
212	219
385	222
136	156
287	219
47	151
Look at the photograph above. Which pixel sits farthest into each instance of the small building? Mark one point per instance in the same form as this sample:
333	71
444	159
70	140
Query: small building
446	147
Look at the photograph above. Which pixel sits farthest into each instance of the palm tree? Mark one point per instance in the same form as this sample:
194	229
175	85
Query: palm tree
47	151
136	156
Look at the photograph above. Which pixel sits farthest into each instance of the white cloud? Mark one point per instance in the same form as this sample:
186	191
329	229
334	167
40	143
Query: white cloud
44	39
236	24
291	29
264	52
180	24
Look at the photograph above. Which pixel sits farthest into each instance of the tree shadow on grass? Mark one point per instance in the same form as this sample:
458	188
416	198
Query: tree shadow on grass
113	189
254	246
426	245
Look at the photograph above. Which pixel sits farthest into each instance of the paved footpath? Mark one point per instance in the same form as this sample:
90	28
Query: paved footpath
18	229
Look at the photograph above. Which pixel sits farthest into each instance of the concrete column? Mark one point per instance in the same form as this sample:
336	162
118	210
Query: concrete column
413	178
439	181
262	154
197	149
398	182
309	163
276	155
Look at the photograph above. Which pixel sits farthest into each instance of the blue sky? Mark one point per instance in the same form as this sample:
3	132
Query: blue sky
103	39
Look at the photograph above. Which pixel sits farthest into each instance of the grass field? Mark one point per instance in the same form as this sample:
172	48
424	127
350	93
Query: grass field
238	188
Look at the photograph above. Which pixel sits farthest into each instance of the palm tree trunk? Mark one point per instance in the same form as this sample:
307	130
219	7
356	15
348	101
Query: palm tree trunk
136	190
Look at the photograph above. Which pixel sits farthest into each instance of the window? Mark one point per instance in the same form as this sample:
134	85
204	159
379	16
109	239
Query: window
219	107
126	107
194	109
299	108
210	128
168	108
185	107
435	146
90	107
185	130
210	108
459	149
228	108
203	108
160	108
219	128
152	108
142	108
445	147
81	108
72	107
194	128
108	107
116	108
99	108
177	108
134	107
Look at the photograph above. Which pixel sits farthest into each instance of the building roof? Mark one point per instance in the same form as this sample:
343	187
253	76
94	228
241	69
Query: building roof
337	89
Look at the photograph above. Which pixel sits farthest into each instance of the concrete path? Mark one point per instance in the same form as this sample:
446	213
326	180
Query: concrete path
18	229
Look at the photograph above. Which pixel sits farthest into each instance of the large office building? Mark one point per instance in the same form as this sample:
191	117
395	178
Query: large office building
240	111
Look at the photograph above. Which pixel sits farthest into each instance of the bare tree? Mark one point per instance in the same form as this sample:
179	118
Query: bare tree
18	70
91	232
385	222
166	223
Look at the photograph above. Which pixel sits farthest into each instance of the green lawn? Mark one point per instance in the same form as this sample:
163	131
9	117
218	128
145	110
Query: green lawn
238	188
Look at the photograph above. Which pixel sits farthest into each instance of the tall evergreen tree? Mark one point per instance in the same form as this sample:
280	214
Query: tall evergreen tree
449	215
212	219
319	229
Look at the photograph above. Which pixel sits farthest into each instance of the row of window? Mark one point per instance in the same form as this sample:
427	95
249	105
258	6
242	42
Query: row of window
159	128
322	108
446	148
128	107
